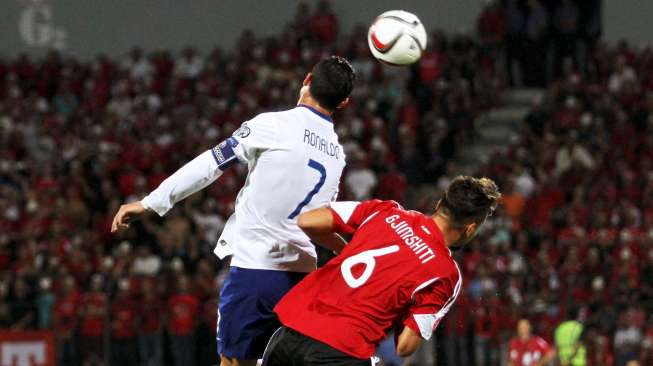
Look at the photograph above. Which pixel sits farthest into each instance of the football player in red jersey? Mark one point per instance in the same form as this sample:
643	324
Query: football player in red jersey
527	349
397	271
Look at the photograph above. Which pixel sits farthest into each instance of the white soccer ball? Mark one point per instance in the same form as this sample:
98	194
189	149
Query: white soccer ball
397	37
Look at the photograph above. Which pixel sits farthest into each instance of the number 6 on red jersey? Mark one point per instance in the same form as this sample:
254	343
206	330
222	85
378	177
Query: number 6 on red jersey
368	259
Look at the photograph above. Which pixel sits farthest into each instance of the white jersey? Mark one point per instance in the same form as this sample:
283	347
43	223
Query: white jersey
295	162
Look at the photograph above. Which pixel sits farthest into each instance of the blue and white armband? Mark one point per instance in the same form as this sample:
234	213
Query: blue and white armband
224	153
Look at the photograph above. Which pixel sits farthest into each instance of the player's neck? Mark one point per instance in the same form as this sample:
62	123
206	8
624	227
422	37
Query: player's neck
307	100
450	234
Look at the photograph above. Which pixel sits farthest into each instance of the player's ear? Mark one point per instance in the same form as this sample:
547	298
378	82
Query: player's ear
343	103
437	205
307	79
469	229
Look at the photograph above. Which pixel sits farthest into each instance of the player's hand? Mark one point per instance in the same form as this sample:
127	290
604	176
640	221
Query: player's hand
126	214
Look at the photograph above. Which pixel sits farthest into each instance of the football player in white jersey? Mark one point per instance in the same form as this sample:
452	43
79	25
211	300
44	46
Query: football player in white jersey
295	162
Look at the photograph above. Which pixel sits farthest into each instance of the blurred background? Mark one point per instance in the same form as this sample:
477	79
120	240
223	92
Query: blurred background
100	101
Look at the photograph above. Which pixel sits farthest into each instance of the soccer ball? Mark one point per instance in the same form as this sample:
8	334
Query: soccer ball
397	37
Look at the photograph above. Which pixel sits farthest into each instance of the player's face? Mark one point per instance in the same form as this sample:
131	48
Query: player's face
469	232
524	328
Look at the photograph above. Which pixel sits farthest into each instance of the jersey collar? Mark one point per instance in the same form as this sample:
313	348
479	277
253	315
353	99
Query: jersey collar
320	114
436	233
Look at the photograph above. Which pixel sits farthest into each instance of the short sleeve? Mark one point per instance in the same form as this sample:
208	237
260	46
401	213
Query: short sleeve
259	133
350	215
431	302
543	345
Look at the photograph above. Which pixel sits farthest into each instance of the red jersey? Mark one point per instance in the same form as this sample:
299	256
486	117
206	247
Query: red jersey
94	315
66	313
486	319
183	311
526	353
150	309
123	324
395	269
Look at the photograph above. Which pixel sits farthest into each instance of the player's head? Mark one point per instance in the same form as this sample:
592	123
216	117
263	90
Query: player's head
330	82
466	204
523	329
577	312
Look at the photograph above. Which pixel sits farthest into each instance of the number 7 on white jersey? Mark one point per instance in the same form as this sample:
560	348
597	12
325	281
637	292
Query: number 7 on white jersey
320	169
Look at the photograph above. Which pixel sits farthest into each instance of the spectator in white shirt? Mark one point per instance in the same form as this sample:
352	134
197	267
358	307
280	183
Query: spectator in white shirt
524	182
189	65
208	221
361	180
139	66
570	154
146	263
621	75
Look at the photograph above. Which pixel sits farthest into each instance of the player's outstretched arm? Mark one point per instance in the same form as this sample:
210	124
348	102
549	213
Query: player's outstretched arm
408	342
190	178
126	214
318	225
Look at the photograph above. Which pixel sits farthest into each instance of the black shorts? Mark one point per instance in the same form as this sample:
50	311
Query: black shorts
290	348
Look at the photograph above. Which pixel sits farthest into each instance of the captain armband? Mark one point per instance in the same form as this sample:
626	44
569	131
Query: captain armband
224	153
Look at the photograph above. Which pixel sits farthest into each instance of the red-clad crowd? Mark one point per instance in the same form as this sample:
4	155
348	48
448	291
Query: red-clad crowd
576	227
78	138
81	137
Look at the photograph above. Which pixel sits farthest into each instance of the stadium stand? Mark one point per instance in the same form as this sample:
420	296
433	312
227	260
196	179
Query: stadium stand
80	137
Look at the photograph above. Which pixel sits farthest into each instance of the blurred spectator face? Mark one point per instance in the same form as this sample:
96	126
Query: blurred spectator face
183	284
598	284
147	288
68	285
45	284
96	283
620	63
123	287
124	249
5	310
523	329
107	263
177	265
20	288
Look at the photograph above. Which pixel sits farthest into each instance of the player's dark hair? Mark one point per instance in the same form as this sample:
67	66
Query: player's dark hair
469	200
332	81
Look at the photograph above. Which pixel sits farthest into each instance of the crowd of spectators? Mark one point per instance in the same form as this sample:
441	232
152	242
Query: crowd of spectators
78	138
532	39
575	228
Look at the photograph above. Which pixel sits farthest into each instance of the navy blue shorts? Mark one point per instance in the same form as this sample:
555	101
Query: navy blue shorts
246	318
